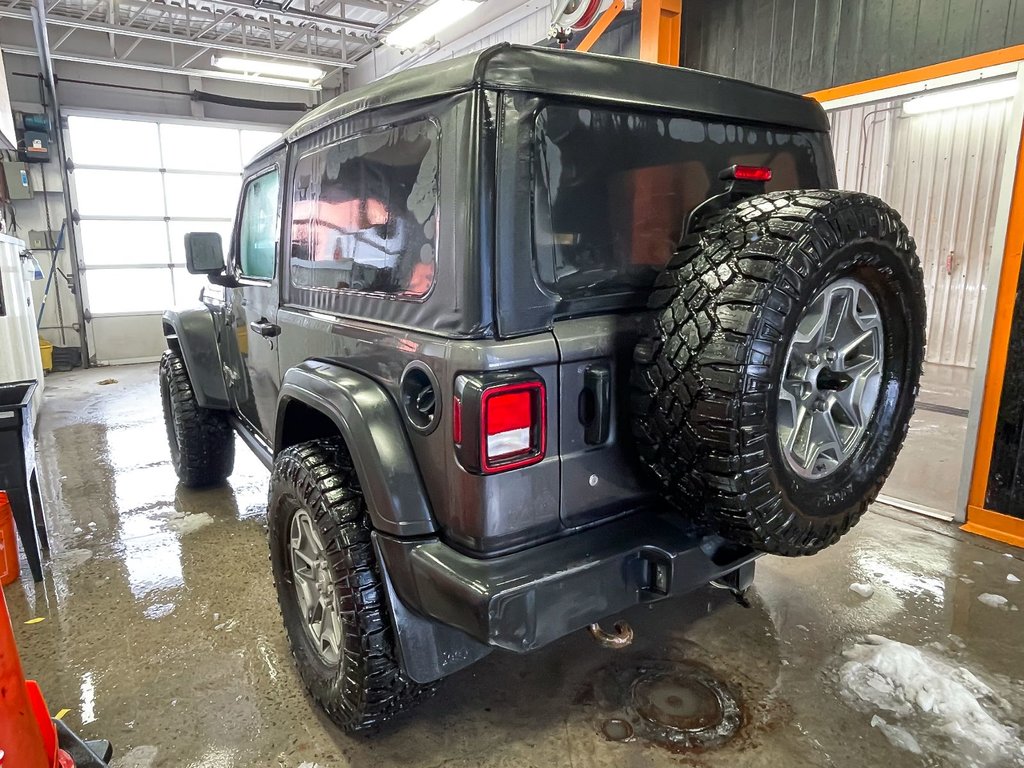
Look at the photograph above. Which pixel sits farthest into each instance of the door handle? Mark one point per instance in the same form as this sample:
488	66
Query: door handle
265	328
595	409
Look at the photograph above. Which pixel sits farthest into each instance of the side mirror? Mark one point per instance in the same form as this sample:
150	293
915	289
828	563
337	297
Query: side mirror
204	254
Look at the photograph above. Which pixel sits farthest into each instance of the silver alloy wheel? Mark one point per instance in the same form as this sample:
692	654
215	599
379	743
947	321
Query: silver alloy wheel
832	378
315	589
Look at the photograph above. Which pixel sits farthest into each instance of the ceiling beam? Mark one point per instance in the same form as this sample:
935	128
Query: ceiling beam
170	37
162	69
296	14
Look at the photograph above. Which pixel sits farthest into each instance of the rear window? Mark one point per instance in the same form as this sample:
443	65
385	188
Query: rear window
613	187
364	214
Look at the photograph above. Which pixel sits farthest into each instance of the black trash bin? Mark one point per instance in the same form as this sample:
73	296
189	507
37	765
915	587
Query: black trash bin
18	470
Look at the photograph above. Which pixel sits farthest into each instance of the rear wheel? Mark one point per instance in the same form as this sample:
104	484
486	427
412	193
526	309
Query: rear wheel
330	589
201	440
775	387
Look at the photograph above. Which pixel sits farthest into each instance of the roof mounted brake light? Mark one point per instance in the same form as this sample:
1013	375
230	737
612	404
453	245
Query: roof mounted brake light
746	173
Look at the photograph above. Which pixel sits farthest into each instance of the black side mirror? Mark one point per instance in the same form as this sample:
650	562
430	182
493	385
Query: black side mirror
204	253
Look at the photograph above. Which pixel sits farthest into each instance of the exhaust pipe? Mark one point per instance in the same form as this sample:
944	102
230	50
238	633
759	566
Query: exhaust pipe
621	636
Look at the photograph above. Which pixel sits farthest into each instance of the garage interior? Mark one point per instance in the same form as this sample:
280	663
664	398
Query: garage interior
156	626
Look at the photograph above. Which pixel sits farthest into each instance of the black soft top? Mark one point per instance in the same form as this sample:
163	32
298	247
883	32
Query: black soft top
588	76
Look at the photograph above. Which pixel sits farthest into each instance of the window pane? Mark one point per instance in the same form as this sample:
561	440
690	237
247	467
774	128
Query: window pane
187	287
200	148
178	230
124	242
128	290
364	214
612	189
201	196
120	143
259	227
119	193
256	141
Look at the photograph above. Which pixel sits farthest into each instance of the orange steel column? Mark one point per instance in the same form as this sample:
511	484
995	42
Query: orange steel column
661	26
21	741
980	520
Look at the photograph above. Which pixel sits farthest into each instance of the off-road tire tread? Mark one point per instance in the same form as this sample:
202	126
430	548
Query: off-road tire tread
373	688
699	385
201	440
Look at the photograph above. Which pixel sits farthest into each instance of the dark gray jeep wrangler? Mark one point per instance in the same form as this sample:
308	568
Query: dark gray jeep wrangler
530	337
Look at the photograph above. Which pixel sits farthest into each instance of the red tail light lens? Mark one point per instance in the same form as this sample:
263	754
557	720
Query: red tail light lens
508	418
499	421
751	173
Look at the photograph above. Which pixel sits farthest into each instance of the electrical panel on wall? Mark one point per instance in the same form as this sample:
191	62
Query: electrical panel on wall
16	181
34	141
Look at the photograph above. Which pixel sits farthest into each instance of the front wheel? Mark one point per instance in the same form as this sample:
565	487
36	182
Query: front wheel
330	589
201	440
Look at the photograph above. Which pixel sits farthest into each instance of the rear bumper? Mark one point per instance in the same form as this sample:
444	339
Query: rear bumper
527	599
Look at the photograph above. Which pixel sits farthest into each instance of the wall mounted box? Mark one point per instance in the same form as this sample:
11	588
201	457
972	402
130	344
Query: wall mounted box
17	181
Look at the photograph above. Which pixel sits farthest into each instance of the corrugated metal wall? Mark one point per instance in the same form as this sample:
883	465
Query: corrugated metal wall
807	45
941	170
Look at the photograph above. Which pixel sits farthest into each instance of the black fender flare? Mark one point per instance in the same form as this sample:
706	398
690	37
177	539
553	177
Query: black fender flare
194	337
368	419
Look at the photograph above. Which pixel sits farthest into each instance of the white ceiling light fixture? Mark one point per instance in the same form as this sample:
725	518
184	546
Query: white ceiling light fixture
428	22
965	96
255	67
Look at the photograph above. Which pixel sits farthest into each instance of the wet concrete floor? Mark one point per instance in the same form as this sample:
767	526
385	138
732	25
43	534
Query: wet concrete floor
161	633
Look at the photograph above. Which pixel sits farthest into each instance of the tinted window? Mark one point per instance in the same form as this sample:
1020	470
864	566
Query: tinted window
364	214
258	230
612	189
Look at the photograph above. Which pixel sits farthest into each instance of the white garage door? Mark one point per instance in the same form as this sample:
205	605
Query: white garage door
138	186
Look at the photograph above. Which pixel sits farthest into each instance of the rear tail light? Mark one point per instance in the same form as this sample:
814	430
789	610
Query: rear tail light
512	418
499	424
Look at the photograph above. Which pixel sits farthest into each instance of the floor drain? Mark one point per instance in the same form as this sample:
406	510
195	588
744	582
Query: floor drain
617	729
679	702
678	706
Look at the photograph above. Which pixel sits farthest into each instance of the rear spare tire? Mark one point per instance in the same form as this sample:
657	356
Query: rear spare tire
776	384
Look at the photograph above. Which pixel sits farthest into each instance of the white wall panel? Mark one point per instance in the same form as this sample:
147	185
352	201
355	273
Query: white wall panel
941	171
7	138
19	346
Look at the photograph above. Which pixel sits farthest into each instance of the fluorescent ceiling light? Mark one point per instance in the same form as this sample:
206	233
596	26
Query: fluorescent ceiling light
428	22
961	97
267	67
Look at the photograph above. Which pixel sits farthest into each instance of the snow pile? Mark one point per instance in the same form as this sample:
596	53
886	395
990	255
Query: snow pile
919	686
1012	579
864	590
898	737
189	523
992	601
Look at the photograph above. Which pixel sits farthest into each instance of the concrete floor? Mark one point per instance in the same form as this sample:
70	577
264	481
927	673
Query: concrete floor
162	633
927	472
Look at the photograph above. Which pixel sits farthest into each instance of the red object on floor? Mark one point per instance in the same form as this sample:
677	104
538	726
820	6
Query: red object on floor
9	568
21	740
47	729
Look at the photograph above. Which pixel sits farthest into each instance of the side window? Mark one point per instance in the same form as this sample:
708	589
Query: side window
364	215
259	227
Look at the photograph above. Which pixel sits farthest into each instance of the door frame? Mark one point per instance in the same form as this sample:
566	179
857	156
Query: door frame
1000	282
